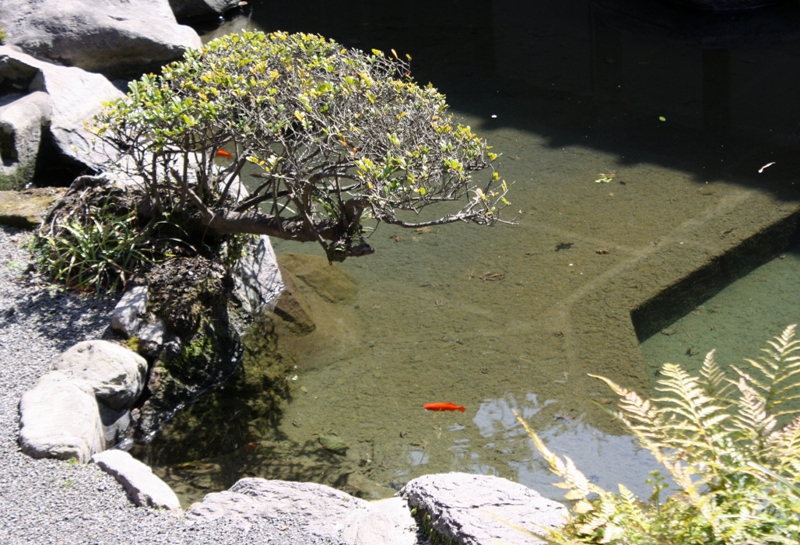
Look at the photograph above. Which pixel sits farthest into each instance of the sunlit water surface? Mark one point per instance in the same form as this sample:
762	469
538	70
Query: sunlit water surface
566	91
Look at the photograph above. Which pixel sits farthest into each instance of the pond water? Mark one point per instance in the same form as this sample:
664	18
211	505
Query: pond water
736	323
679	110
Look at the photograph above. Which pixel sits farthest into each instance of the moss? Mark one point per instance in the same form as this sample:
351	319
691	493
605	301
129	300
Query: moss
425	524
134	343
2	35
19	178
194	357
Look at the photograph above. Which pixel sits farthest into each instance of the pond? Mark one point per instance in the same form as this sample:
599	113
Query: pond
677	113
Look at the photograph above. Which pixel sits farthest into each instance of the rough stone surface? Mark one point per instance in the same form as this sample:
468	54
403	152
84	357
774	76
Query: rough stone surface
153	336
75	97
292	307
116	423
201	8
21	121
325	508
59	418
128	317
332	283
118	39
26	209
483	509
145	488
388	522
116	373
257	278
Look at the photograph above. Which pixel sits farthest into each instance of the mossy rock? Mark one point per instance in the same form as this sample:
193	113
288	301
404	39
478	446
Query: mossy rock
15	179
26	209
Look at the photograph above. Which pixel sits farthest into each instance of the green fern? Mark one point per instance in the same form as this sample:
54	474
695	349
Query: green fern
737	469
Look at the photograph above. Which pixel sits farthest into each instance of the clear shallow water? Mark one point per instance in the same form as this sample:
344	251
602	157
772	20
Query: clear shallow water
736	323
566	91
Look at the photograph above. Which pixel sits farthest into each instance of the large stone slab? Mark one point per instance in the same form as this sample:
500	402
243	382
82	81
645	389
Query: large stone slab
145	488
75	96
115	373
59	418
483	509
326	509
388	522
118	39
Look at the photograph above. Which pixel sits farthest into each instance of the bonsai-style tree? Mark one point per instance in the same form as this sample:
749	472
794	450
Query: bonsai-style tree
332	137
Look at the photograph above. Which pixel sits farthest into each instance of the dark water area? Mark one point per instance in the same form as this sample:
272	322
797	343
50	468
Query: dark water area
589	73
623	124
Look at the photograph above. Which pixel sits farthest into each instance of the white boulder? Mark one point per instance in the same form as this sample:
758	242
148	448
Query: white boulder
481	509
116	374
388	522
118	39
59	418
21	120
326	509
145	488
75	96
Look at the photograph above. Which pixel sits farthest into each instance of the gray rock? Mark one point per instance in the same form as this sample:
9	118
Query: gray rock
201	8
257	278
118	39
153	336
481	509
21	121
59	418
145	488
129	314
116	423
325	508
75	96
115	373
131	319
388	522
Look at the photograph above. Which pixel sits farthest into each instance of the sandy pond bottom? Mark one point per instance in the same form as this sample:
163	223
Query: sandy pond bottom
487	318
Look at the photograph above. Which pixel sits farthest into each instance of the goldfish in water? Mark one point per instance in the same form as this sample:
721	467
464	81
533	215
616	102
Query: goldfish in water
444	407
224	154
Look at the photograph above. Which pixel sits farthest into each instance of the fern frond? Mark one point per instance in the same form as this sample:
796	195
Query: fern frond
696	413
642	418
785	449
752	417
579	486
779	382
716	383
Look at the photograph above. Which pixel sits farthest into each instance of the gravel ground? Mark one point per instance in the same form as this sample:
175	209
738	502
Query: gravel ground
51	501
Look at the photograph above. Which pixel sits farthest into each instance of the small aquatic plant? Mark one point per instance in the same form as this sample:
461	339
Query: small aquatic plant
736	467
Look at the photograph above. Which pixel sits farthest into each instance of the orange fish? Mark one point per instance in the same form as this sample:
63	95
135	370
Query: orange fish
444	407
224	154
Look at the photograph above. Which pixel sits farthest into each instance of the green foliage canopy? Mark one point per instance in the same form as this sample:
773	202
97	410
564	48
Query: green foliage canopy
335	136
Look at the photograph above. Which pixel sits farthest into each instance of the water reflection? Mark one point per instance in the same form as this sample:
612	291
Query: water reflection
606	459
